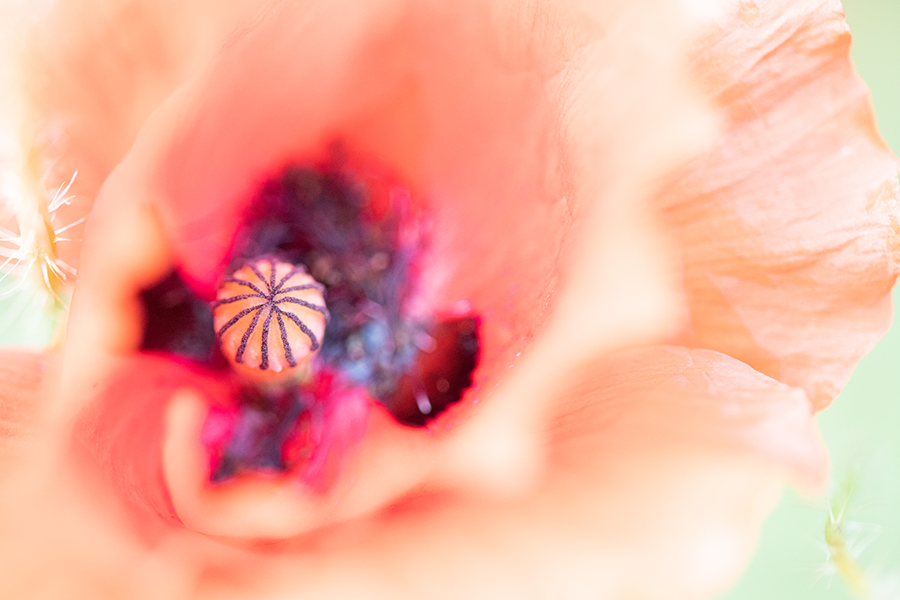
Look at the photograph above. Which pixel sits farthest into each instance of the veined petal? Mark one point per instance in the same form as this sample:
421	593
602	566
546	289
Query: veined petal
789	228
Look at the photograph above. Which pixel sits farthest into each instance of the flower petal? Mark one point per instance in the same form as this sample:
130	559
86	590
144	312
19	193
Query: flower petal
789	228
88	105
465	121
660	458
699	442
23	374
663	459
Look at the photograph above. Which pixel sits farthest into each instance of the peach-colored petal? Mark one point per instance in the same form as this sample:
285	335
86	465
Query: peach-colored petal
450	117
710	437
788	229
641	475
660	394
23	375
87	104
78	81
497	238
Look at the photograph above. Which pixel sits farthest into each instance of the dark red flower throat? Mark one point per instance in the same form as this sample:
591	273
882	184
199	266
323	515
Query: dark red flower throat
358	234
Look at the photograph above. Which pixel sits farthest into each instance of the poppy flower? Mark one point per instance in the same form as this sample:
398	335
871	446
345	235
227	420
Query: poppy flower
669	229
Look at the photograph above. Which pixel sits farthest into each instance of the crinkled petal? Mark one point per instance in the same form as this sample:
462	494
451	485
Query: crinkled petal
789	228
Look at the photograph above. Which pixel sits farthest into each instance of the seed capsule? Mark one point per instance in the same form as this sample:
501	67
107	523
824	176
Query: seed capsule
270	318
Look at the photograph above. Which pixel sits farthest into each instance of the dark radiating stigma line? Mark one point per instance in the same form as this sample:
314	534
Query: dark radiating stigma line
296	269
303	327
244	282
316	307
238	317
260	277
265	342
288	353
239	357
305	286
238	298
272	277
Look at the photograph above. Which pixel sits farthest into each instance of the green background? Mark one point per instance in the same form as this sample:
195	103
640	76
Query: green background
862	427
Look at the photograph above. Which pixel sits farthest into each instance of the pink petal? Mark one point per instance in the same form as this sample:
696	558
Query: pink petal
661	456
461	121
87	105
788	229
642	398
510	147
663	462
119	435
390	81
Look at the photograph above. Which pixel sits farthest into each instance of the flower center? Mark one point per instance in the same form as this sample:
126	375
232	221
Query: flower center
313	237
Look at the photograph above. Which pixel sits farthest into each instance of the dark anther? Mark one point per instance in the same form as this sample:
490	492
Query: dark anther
178	322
